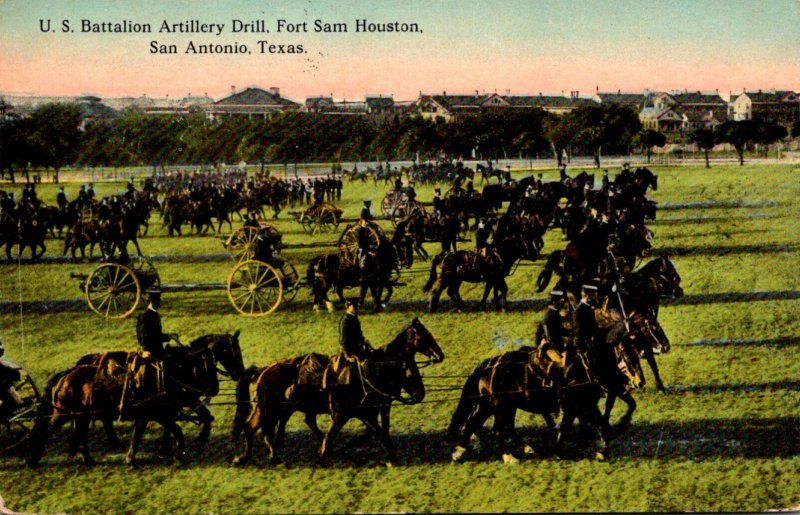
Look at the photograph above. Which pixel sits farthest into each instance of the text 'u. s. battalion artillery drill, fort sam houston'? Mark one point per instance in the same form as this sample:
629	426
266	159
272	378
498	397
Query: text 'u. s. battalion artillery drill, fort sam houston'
236	26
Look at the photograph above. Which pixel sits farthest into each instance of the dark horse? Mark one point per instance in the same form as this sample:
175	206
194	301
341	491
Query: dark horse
329	271
97	387
641	292
470	266
316	384
501	385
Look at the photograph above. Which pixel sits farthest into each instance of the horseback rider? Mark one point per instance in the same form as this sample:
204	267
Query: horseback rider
351	338
584	318
438	204
149	333
61	199
9	398
482	237
550	334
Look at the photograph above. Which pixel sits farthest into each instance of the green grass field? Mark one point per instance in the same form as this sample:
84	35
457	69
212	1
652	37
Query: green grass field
725	437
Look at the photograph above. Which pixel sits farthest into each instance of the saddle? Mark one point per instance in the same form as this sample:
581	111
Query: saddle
340	372
144	380
310	370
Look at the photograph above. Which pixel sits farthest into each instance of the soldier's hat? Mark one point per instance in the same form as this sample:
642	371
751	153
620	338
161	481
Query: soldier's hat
367	203
153	291
438	190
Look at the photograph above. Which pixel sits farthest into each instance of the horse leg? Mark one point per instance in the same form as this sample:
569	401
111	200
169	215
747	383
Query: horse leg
311	422
563	430
473	423
610	400
371	421
136	439
625	422
111	434
175	429
251	426
206	418
651	360
338	421
136	244
385	415
435	295
81	435
486	289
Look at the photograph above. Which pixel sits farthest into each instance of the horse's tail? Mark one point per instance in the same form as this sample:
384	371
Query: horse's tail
243	400
432	278
466	405
40	432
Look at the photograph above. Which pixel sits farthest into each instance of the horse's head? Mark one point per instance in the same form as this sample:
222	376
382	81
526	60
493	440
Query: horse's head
667	278
420	340
226	351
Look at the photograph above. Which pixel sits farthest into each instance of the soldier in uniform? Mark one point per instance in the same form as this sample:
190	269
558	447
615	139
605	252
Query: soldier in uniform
550	334
9	398
61	199
148	327
482	237
90	192
584	319
438	203
366	214
351	338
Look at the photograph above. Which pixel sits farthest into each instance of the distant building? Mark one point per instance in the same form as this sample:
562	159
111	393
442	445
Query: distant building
774	106
250	103
449	107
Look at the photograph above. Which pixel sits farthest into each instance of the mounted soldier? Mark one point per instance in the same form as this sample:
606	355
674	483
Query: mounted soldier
366	214
61	199
585	323
9	398
351	337
438	204
149	332
550	335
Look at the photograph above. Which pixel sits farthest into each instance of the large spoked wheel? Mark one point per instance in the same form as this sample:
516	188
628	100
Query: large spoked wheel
113	290
348	242
403	211
291	281
242	243
16	421
389	202
255	288
145	271
328	220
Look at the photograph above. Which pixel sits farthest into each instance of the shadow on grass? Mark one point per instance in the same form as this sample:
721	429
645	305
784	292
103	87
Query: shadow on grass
781	341
698	439
217	303
721	250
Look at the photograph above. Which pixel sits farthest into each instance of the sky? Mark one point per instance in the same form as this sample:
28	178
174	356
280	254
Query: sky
513	46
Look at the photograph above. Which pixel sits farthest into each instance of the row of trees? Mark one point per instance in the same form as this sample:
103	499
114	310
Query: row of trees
58	135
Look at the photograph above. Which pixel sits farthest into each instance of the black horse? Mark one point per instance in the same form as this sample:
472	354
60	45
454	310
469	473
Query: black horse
316	384
474	267
376	275
100	384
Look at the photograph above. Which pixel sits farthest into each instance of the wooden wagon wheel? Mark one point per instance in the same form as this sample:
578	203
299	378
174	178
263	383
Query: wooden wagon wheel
348	242
113	290
306	221
242	243
16	424
145	272
291	281
388	203
404	210
328	219
255	288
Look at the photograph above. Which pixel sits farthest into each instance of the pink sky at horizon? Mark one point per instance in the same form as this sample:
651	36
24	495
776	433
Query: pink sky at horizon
527	48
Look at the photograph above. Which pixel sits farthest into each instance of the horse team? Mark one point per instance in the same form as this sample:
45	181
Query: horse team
606	234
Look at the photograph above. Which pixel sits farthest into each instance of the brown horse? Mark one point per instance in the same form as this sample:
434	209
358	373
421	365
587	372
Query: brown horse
314	384
470	266
519	379
98	387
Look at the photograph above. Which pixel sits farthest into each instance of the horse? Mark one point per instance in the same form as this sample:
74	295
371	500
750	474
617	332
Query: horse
313	385
641	291
487	172
471	266
519	379
99	385
330	271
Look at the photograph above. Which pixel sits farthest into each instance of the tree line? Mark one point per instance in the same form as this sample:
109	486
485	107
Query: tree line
58	135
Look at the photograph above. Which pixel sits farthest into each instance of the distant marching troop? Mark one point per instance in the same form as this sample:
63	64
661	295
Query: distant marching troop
600	319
